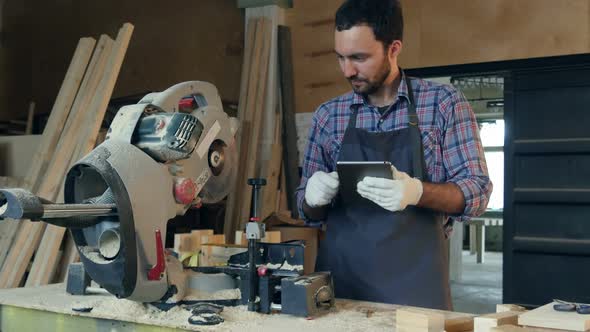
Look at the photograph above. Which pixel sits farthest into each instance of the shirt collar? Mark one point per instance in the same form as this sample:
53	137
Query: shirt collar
402	91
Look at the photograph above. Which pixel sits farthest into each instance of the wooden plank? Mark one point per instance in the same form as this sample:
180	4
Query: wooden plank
486	322
254	107
270	193
247	125
46	258
289	138
8	230
30	233
101	98
70	255
59	113
547	317
230	224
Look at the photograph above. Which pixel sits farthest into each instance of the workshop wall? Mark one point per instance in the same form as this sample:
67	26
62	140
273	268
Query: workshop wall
173	41
439	33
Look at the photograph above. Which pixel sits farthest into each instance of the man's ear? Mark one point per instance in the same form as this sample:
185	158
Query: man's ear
395	48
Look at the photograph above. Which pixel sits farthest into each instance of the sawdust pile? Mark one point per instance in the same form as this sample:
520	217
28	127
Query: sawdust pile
141	313
345	317
225	294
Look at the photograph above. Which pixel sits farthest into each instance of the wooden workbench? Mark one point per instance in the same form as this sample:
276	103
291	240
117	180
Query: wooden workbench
49	308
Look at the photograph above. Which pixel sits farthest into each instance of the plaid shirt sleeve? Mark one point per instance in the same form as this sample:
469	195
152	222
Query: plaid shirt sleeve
316	157
463	155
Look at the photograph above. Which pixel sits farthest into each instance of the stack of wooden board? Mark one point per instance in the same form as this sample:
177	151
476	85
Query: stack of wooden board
203	248
71	133
267	137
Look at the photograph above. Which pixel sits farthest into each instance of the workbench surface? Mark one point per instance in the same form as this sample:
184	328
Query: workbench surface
49	308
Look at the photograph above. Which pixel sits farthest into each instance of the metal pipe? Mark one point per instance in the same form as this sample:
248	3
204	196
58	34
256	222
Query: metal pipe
78	210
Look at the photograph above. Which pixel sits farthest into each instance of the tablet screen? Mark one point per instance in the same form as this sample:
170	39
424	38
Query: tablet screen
352	172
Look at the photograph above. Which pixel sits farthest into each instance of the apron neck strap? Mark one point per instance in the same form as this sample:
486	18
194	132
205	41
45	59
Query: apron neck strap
412	115
418	151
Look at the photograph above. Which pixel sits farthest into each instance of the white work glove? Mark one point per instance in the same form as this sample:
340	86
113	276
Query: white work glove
393	195
321	188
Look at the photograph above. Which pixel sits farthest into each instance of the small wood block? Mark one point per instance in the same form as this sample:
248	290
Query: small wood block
509	307
182	242
458	324
486	322
419	320
213	239
196	237
216	255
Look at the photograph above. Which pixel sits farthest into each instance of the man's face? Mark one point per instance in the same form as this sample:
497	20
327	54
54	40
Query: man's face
363	59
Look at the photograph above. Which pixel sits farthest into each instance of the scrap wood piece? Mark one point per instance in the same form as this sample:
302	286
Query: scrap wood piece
418	320
46	259
28	237
509	307
458	324
486	322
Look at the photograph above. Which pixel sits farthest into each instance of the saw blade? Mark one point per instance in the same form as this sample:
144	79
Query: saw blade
222	163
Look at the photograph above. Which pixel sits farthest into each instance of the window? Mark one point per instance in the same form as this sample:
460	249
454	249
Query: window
492	137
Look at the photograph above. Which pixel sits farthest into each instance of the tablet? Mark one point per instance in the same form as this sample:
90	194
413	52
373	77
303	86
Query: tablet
352	172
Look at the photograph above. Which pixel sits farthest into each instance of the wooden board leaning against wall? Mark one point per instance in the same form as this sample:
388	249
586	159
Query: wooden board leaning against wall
439	33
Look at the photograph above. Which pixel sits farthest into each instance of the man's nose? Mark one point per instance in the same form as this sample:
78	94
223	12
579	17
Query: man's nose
348	68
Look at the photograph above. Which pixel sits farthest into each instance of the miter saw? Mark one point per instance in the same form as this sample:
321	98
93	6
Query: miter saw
171	151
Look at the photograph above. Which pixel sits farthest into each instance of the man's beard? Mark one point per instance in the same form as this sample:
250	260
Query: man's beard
371	87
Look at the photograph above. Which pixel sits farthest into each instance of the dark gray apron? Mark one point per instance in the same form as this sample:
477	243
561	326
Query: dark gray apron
382	256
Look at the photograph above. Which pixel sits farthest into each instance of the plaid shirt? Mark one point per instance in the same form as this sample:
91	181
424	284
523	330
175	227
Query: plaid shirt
450	138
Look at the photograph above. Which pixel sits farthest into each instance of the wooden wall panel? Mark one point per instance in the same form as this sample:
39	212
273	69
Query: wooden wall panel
459	31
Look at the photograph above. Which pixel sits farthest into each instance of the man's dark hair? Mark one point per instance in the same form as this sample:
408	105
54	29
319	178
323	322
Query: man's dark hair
383	16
